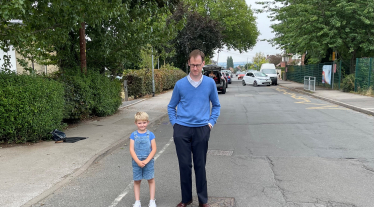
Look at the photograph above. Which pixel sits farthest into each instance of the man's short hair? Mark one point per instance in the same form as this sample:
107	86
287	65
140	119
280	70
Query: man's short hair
196	53
141	116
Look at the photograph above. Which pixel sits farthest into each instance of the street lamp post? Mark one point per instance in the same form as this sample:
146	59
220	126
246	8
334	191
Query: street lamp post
153	72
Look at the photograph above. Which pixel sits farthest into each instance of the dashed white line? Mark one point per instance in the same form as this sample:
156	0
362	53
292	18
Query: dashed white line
131	184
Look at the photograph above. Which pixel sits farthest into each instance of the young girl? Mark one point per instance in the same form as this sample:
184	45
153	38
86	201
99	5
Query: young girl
142	150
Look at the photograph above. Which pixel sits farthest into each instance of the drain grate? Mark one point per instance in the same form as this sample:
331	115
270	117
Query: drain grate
220	152
216	202
243	95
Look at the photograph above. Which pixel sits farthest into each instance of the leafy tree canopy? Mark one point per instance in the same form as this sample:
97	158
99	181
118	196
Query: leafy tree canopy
314	26
116	30
199	32
258	60
230	62
236	18
275	59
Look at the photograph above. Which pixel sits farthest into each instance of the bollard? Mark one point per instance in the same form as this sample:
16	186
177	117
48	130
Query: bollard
125	89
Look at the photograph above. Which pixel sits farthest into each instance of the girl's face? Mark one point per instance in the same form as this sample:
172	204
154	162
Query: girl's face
142	125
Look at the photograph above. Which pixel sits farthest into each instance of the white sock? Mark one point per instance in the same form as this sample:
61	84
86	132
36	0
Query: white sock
152	201
137	202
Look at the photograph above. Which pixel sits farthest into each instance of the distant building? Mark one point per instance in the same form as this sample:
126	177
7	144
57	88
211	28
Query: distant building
291	59
16	67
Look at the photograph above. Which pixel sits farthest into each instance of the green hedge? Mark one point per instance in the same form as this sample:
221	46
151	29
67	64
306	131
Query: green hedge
140	81
90	94
106	94
30	107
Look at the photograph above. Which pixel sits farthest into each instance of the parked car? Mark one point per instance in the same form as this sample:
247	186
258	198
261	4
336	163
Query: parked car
241	75
269	69
214	71
228	75
256	79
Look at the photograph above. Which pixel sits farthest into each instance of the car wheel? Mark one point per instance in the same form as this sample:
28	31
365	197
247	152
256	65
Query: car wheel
276	82
224	90
268	85
255	83
243	83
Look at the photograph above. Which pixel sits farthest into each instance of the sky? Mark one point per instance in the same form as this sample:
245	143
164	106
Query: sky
263	25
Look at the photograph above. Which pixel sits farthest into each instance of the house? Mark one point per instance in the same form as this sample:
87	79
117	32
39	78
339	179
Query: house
291	59
16	67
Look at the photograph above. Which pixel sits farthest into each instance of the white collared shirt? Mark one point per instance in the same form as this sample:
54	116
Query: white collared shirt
194	83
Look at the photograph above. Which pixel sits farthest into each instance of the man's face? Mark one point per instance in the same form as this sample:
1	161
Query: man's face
196	65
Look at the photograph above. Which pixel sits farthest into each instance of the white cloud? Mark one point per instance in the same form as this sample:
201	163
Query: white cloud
263	25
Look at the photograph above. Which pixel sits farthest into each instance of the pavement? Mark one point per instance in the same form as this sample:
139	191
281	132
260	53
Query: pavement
31	173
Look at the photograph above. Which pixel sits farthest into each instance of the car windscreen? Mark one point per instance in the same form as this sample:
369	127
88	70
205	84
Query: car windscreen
259	74
269	71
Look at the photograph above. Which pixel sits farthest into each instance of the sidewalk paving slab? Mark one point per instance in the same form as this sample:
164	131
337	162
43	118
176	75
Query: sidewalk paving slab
357	102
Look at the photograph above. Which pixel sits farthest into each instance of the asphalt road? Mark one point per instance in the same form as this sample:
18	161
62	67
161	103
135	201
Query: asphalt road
270	147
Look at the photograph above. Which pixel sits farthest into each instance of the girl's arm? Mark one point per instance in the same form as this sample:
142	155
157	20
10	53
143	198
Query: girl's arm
153	152
133	154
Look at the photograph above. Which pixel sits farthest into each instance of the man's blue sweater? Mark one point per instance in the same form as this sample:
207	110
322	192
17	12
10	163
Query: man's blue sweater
193	104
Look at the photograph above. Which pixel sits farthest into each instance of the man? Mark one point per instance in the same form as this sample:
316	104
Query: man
192	122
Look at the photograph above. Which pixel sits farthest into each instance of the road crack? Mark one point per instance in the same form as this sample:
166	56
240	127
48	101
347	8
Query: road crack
276	180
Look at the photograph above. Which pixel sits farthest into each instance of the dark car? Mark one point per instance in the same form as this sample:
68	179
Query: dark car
214	71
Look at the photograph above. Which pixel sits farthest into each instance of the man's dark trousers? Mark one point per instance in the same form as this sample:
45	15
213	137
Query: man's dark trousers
192	140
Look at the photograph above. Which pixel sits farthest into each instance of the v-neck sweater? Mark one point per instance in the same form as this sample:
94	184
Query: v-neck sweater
190	106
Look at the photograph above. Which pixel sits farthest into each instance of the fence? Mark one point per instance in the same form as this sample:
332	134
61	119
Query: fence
364	74
297	72
364	77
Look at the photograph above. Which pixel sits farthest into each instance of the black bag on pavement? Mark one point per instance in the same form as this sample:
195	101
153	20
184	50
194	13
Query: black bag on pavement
58	135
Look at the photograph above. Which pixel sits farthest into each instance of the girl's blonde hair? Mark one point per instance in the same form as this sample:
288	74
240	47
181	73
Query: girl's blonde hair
141	116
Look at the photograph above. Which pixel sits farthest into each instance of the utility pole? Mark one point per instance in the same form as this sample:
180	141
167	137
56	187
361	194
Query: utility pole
82	44
218	57
153	72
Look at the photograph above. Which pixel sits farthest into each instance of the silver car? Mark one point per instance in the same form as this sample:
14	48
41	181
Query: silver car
256	79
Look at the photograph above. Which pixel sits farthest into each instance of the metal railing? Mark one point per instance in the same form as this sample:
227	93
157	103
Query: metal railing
310	83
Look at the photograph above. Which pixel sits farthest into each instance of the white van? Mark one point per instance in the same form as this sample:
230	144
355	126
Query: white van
269	70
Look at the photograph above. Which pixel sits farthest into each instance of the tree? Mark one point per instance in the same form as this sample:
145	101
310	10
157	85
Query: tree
258	60
249	66
199	32
236	18
275	59
317	25
230	62
115	30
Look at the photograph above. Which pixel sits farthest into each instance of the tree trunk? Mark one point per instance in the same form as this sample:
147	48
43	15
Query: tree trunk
352	68
82	44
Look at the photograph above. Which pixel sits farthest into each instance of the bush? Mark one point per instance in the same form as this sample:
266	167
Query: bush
348	83
140	81
106	94
30	107
78	97
90	94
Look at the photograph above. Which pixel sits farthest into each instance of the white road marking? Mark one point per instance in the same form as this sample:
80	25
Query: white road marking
131	184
